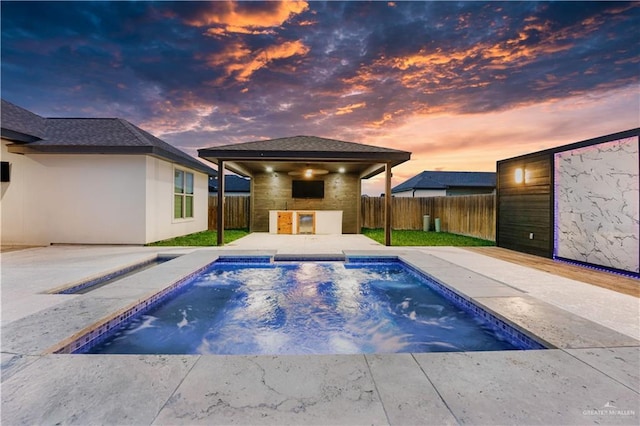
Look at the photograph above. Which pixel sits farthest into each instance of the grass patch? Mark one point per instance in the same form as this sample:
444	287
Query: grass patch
204	238
421	238
398	238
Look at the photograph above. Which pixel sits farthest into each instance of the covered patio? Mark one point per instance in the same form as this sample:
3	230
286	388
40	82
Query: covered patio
277	166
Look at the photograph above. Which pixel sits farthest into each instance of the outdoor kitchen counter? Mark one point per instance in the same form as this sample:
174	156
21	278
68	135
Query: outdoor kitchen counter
323	222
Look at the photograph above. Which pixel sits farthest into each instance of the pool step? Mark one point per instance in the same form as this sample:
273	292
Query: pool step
331	257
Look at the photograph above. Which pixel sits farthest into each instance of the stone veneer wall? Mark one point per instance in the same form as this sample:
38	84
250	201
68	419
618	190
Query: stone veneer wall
597	204
272	191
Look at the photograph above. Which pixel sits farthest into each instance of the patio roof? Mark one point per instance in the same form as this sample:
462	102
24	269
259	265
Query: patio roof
287	154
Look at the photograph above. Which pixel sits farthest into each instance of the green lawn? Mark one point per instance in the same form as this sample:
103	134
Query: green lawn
421	238
205	238
398	238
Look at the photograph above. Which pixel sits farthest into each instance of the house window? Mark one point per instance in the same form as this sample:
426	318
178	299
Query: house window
182	194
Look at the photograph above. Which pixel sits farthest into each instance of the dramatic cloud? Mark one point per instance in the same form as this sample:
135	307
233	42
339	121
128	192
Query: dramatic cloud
460	84
246	17
238	60
349	108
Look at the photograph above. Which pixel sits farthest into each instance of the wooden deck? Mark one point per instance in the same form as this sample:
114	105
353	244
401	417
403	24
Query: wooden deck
615	282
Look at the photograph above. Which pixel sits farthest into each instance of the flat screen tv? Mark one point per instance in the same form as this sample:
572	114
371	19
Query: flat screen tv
307	189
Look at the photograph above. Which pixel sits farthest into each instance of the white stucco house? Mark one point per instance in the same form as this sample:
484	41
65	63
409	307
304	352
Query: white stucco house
95	181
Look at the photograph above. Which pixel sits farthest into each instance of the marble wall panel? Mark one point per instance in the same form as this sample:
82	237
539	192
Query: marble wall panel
597	204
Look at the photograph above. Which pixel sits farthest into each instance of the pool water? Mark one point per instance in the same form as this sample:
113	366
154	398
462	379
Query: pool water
305	308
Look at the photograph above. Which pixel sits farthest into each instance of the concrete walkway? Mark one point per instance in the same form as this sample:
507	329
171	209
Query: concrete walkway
592	377
304	244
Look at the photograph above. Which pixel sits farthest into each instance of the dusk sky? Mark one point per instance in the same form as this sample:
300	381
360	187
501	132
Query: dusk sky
459	84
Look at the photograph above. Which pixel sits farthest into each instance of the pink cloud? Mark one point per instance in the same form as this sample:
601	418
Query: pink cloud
234	17
349	108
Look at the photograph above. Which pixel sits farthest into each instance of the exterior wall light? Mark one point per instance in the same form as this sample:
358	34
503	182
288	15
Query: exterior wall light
341	170
522	175
308	173
269	169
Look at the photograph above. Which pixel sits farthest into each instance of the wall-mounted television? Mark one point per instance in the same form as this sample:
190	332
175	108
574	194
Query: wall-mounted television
307	189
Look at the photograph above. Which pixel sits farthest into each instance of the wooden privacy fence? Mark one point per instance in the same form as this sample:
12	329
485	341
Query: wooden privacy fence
472	215
236	213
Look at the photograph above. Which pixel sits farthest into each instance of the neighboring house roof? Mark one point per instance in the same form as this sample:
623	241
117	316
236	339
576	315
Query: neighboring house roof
447	180
232	183
249	157
87	136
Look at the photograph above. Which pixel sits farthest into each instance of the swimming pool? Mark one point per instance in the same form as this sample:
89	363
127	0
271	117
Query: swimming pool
255	306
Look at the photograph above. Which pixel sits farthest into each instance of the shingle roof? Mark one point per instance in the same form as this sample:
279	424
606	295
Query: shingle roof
445	180
81	132
91	135
19	120
249	158
305	144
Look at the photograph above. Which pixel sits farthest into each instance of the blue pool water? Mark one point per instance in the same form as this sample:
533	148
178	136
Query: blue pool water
305	308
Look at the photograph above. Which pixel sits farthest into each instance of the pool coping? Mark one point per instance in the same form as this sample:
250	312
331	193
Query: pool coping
580	343
75	287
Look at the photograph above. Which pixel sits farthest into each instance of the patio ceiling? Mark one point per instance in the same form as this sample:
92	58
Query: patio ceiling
248	168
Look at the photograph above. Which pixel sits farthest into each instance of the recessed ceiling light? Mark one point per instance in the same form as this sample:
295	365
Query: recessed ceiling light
308	172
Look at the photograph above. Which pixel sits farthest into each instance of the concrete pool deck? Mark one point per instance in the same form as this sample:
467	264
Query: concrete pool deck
592	377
